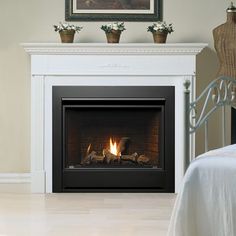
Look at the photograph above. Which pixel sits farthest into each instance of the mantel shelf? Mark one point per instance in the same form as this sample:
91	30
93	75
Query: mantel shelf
113	49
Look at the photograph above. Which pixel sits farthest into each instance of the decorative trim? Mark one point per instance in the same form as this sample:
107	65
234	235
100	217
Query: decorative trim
15	178
113	49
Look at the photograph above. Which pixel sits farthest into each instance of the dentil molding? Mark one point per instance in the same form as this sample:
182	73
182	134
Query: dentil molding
113	49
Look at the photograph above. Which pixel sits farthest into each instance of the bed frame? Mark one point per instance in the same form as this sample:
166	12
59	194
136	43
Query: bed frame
233	125
220	93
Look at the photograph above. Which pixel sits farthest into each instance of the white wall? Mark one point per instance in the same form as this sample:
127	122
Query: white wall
32	21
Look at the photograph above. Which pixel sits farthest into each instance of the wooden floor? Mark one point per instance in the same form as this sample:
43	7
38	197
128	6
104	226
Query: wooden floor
85	214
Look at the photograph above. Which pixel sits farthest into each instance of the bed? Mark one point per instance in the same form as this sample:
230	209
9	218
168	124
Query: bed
206	203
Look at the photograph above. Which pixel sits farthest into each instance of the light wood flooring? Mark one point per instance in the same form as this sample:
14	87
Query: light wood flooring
85	214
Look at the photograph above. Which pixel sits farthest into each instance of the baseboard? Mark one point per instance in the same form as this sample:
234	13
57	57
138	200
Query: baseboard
15	182
15	178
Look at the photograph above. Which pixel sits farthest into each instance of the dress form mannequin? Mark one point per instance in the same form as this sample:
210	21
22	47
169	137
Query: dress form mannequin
225	44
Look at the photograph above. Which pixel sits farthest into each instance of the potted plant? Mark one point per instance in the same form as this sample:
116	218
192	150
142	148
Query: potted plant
67	31
160	30
113	31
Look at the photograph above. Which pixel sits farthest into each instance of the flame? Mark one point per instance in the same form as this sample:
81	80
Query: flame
88	149
113	148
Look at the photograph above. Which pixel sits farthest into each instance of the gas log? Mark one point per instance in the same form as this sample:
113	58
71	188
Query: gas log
132	157
110	157
87	159
124	158
97	159
143	160
93	158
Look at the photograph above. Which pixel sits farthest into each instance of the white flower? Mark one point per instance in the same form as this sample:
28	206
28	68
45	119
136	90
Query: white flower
66	26
161	27
115	27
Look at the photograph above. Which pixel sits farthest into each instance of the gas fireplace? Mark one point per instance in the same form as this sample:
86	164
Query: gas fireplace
131	94
113	138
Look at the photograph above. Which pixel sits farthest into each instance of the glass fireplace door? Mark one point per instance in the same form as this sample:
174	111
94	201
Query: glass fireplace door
112	136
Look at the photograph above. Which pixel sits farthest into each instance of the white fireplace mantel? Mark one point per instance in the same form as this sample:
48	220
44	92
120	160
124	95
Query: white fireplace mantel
87	64
113	49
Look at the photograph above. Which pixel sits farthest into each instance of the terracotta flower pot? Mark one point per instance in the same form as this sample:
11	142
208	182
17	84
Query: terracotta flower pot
67	36
113	36
159	37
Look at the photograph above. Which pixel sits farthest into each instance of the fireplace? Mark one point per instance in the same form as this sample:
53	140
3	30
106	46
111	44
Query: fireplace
113	138
130	66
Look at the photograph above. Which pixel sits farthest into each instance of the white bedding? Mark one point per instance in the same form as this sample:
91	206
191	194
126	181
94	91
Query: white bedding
206	204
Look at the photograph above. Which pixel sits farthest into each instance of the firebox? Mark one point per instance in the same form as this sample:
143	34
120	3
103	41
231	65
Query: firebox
113	139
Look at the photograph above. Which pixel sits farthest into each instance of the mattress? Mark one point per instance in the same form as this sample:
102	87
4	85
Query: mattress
206	203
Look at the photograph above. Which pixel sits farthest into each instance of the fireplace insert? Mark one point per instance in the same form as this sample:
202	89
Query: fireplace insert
113	138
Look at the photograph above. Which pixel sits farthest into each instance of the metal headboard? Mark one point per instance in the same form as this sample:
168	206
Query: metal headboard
220	93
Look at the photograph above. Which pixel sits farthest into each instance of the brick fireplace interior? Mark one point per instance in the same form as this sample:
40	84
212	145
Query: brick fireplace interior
113	139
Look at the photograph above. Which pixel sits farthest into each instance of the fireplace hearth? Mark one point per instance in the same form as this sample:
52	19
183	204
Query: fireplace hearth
113	139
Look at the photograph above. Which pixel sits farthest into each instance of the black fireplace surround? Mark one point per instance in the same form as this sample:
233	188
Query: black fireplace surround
113	139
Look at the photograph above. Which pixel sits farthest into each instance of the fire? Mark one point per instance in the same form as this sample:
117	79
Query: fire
113	148
88	149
